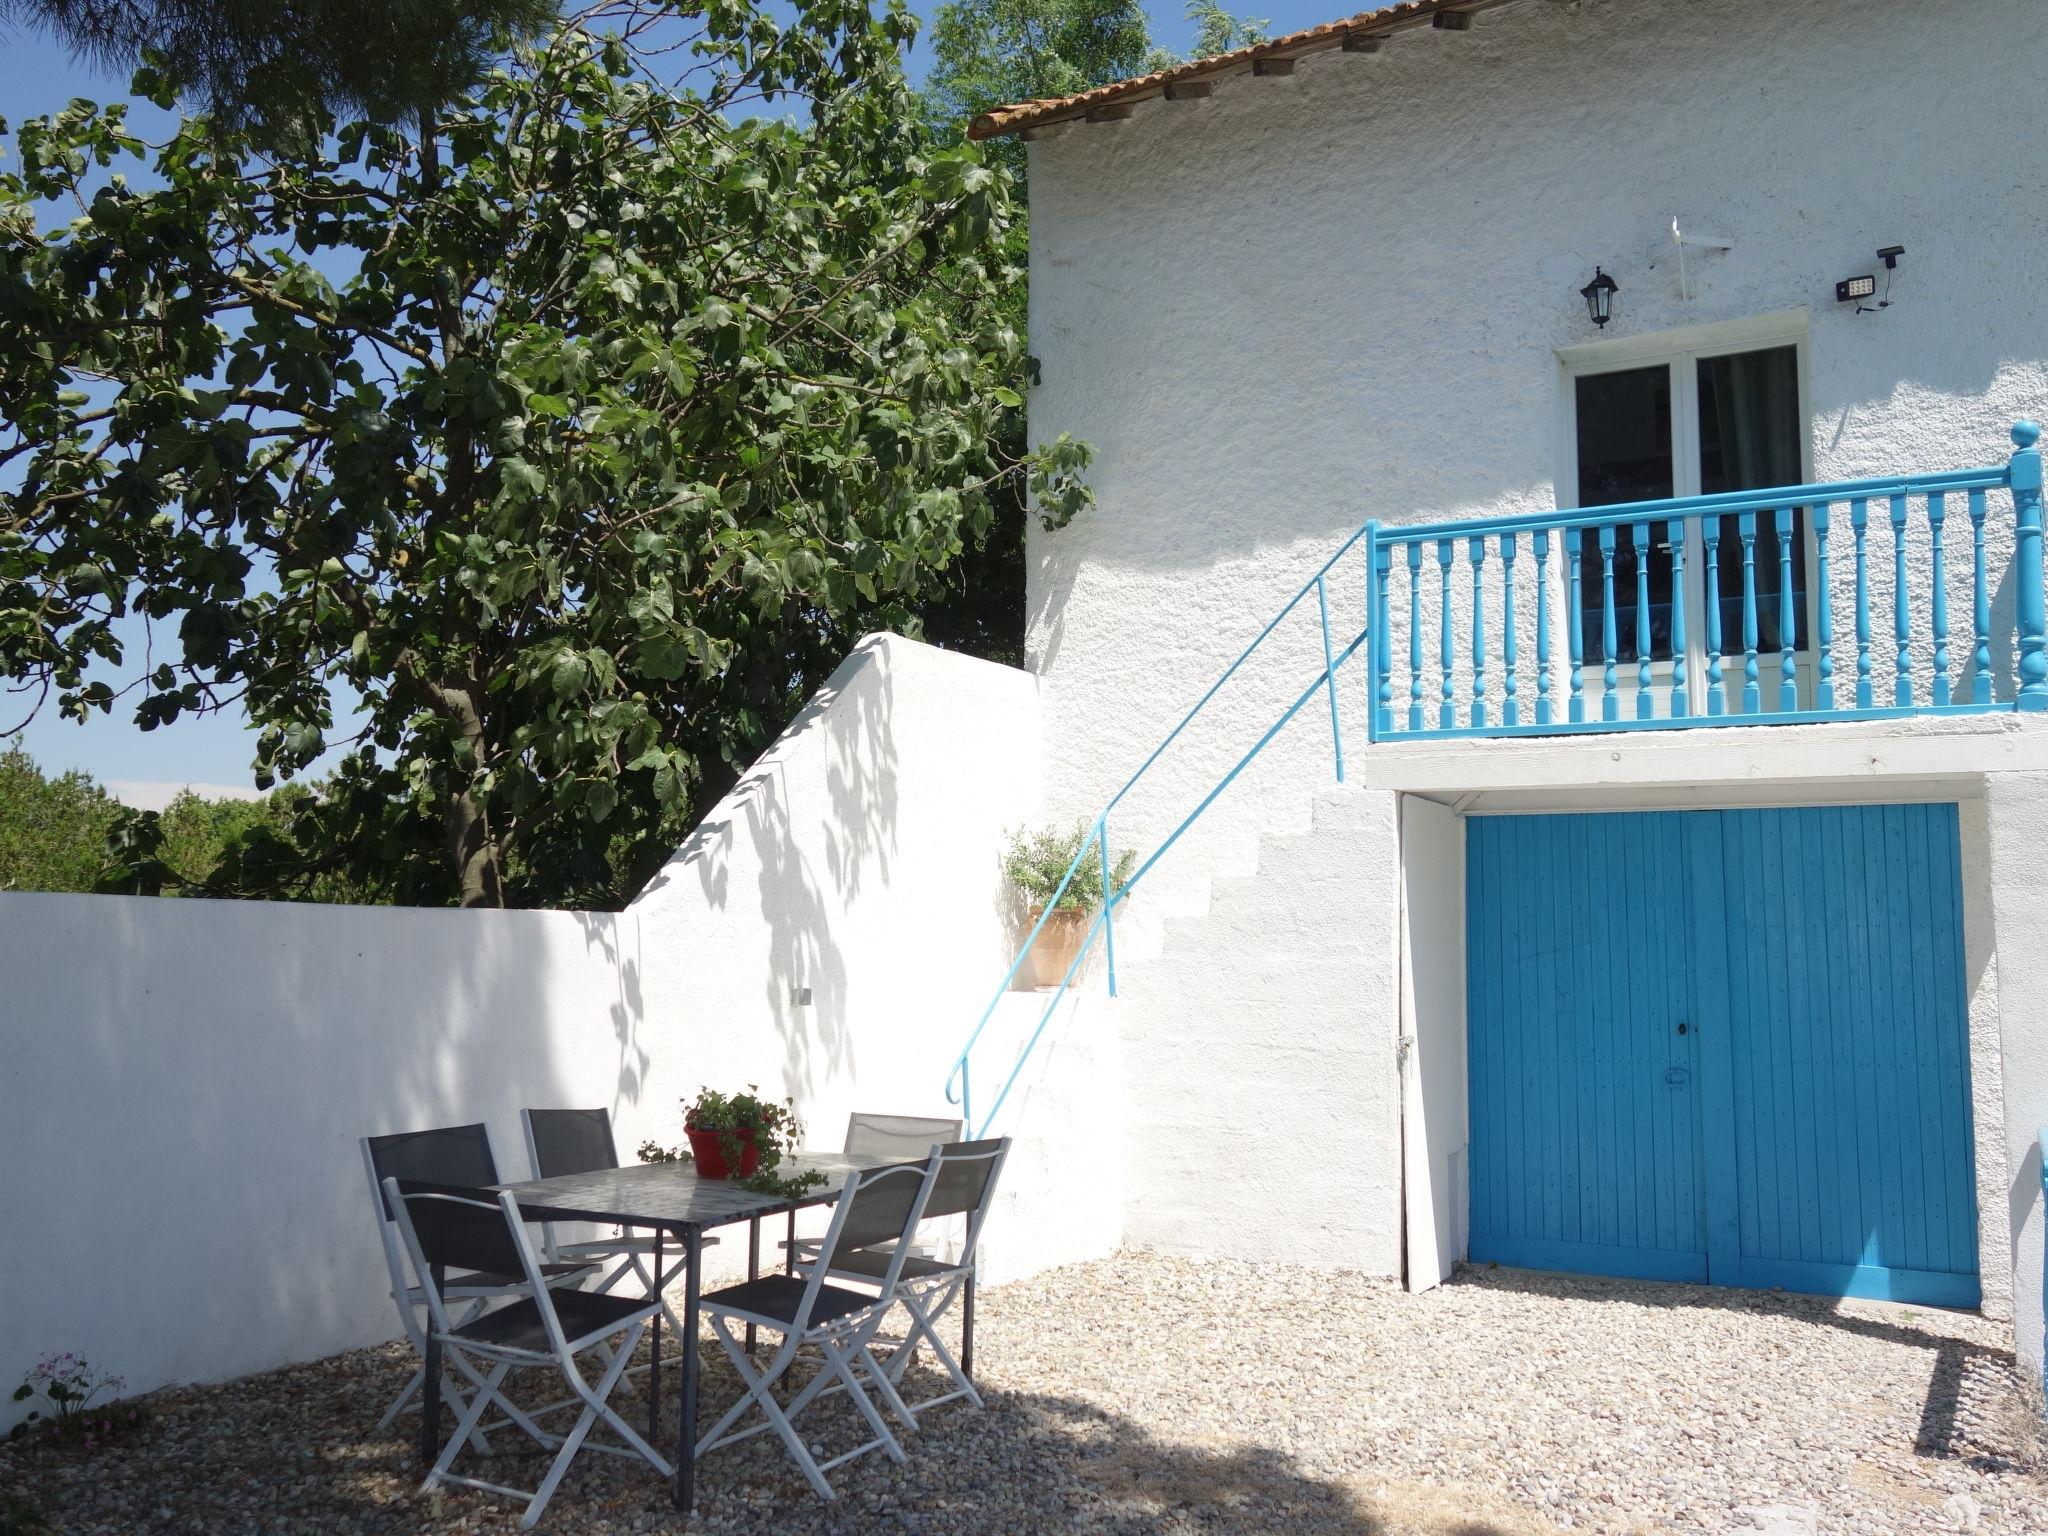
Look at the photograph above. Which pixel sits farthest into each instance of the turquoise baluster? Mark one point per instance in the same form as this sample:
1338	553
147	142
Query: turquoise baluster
2031	604
1752	695
1824	688
1511	709
1980	657
1415	635
1383	655
1539	543
1475	550
1859	523
1902	625
1610	705
1645	704
1937	515
1710	540
1574	629
1447	712
1788	613
1681	705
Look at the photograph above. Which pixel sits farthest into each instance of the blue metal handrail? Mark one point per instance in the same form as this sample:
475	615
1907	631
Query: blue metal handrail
1697	506
959	1080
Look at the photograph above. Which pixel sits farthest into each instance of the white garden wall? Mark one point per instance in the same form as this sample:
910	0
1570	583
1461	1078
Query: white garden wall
182	1082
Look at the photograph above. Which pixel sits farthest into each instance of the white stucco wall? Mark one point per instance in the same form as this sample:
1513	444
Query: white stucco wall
1435	1124
1307	301
1261	1089
182	1083
2017	823
1990	1146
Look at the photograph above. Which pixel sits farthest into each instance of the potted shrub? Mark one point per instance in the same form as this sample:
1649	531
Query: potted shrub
1034	864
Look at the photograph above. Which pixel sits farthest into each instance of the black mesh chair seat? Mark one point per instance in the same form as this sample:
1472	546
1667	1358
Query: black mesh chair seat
873	1263
484	1280
605	1247
778	1298
519	1326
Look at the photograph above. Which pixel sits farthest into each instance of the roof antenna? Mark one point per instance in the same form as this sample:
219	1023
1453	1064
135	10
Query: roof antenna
1706	242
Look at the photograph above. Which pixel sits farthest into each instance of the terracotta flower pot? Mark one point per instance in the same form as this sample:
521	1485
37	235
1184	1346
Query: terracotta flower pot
1058	942
708	1148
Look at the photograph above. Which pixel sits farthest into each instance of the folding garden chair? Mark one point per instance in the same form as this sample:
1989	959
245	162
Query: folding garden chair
564	1141
963	1183
880	1206
471	1229
453	1154
905	1136
872	1135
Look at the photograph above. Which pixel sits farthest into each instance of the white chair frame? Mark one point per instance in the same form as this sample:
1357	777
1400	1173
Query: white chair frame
930	1290
844	1341
613	1343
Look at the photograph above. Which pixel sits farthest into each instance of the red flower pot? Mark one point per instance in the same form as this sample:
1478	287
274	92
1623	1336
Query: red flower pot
708	1148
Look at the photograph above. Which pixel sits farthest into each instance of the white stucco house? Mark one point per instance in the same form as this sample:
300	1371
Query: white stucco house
1678	912
1574	849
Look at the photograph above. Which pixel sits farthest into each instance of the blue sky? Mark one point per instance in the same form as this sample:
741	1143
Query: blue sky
212	753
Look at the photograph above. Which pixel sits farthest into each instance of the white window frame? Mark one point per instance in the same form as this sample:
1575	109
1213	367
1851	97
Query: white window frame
1680	351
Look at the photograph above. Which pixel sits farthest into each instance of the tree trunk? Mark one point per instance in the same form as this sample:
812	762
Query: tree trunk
473	854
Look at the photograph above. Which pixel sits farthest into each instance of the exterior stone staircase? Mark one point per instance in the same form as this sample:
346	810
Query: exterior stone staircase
1276	983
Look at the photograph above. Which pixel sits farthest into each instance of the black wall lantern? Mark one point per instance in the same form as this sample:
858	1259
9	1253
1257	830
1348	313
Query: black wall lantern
1599	297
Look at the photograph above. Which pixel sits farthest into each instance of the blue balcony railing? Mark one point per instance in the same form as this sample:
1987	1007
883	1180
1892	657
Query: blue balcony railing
1700	611
1717	610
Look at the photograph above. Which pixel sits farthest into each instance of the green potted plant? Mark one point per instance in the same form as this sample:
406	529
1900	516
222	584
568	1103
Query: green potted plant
739	1135
1034	864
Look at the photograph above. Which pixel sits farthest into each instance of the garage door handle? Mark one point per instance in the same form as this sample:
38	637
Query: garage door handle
1683	1026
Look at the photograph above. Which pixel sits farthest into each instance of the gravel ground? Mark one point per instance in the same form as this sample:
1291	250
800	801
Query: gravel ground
1147	1396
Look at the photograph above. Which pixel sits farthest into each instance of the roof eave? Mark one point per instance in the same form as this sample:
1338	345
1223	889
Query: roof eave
1355	33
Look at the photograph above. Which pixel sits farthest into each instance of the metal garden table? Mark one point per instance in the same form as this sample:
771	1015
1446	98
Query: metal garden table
672	1201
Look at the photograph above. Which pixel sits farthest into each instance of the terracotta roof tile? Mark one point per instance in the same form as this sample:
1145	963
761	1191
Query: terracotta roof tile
1366	24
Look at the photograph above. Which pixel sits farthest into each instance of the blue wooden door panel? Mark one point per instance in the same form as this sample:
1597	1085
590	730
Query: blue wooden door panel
1810	1129
1848	1033
1585	1143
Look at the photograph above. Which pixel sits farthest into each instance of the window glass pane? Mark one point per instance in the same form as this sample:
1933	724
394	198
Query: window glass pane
1624	441
1749	420
1624	436
1749	439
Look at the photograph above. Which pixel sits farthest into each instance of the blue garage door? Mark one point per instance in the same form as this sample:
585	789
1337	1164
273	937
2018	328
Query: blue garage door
1726	1046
